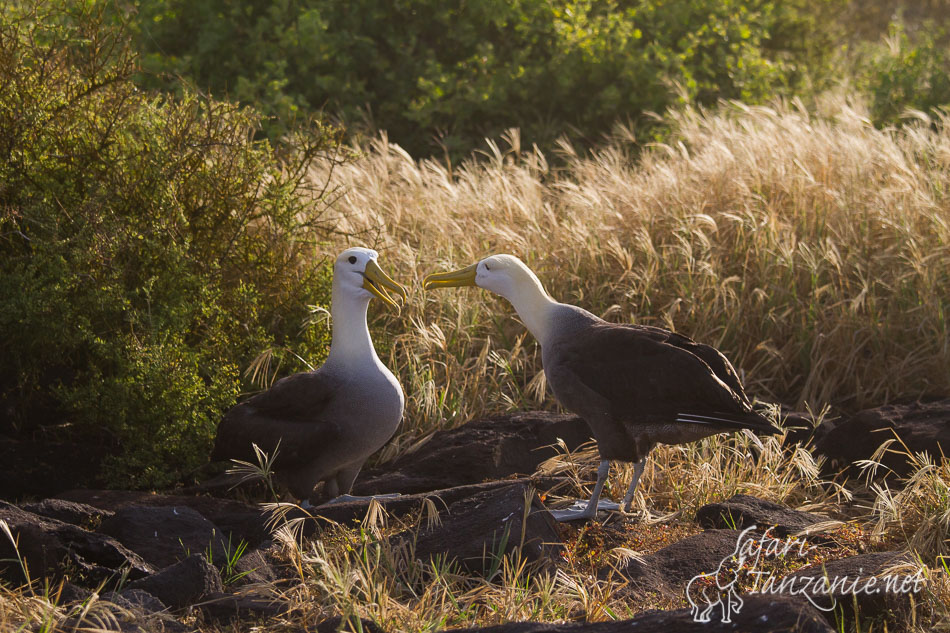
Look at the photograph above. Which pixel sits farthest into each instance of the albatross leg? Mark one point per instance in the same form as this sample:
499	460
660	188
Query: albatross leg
590	510
637	471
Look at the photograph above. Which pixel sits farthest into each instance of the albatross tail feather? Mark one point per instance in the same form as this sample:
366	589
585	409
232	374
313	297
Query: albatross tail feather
752	421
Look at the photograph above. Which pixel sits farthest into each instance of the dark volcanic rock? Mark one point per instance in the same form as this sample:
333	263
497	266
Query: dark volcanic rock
164	536
257	565
224	607
741	511
49	547
493	448
183	584
922	427
131	611
667	571
241	521
355	510
476	528
800	427
136	598
869	580
775	614
68	511
70	594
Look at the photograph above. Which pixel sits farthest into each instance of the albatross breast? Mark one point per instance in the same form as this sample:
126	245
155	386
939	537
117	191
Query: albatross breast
324	424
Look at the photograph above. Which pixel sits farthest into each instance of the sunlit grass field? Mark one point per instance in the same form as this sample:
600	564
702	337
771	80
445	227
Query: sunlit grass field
811	248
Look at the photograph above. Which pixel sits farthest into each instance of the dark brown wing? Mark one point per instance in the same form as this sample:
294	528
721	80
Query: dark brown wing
288	413
648	374
717	362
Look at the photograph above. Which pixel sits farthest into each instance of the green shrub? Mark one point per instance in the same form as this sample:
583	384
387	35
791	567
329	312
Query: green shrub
906	71
150	248
460	71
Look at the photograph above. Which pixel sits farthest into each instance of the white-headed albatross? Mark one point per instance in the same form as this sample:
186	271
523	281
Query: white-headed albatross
634	385
328	421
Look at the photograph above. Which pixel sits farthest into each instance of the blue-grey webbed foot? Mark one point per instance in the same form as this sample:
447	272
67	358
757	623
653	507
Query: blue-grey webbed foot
588	510
579	510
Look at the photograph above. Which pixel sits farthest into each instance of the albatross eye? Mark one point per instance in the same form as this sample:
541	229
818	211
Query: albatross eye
352	259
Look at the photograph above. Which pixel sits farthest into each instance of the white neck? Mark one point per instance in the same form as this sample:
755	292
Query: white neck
351	340
533	305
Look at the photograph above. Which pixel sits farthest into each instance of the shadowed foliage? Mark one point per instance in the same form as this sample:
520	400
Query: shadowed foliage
440	76
150	248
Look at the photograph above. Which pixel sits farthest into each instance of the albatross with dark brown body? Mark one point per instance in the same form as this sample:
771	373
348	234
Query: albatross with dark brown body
329	421
635	386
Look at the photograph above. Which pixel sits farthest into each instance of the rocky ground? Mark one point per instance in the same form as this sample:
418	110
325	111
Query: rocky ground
173	560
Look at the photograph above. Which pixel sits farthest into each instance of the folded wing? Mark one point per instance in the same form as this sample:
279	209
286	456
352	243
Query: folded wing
291	412
647	374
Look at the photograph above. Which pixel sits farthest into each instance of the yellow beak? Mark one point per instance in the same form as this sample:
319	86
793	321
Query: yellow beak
463	277
376	281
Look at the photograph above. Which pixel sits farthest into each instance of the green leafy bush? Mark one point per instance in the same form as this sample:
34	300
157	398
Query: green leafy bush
459	71
150	248
906	71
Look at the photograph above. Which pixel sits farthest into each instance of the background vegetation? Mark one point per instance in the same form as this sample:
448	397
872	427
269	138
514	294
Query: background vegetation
163	249
441	76
150	248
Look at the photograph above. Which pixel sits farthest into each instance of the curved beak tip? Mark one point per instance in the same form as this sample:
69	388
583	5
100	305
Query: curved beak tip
377	281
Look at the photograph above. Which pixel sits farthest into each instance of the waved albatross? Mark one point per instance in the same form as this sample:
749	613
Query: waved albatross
634	385
328	421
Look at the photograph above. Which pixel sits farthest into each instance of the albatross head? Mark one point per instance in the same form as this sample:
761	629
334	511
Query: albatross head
357	273
505	275
508	276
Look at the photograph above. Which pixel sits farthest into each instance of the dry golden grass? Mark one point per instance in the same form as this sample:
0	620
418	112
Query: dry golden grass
915	511
40	611
814	251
